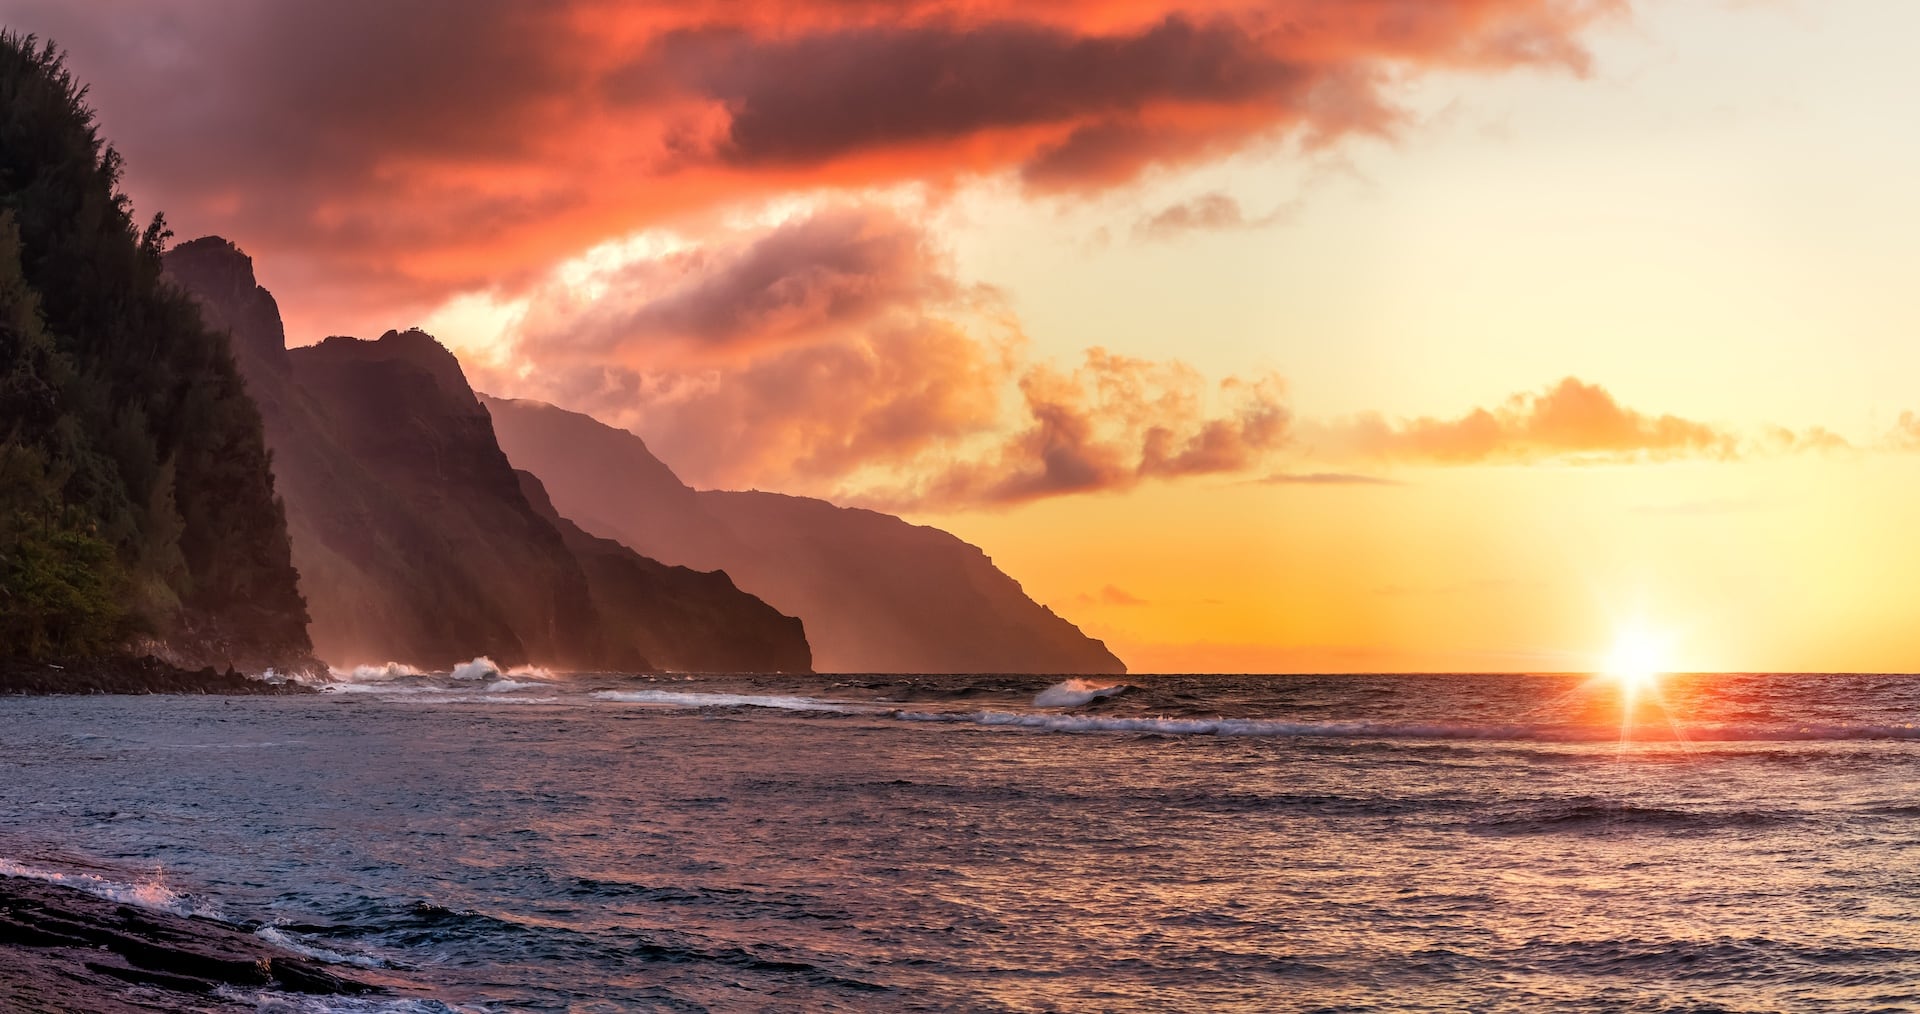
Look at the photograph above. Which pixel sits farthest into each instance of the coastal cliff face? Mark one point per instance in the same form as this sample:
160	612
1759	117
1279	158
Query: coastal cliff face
434	523
877	594
697	621
414	538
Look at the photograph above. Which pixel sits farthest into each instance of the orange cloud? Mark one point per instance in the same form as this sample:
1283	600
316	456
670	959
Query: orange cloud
1571	419
1108	425
836	353
377	157
1906	433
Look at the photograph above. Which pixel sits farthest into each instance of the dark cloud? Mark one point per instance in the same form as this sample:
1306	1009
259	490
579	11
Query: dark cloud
377	157
838	268
825	94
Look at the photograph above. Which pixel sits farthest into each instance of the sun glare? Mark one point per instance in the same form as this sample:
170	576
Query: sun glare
1638	659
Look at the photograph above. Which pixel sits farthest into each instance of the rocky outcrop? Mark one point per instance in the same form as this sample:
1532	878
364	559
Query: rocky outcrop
413	536
231	300
63	950
128	674
877	594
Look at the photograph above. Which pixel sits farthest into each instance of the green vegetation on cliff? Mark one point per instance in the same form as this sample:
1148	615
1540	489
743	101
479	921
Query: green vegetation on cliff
135	496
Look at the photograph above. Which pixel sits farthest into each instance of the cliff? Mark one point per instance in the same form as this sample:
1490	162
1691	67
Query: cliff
695	621
422	548
877	594
414	537
136	503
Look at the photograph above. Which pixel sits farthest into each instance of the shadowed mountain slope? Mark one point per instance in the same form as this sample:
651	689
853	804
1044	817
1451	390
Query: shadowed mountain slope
414	538
700	621
877	594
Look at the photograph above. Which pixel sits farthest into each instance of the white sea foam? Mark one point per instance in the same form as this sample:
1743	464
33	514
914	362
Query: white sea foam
299	945
382	689
385	672
696	700
150	893
480	668
1076	692
507	686
266	1002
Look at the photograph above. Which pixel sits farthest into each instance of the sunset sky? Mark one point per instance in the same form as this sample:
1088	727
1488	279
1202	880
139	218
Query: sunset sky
1430	335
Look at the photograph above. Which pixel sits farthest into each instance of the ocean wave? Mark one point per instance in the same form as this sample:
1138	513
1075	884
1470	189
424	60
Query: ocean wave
1583	814
483	668
149	893
383	689
1545	733
1075	693
1736	959
689	699
385	672
1222	726
266	1002
284	940
480	668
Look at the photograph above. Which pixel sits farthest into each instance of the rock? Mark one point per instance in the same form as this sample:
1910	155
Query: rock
63	950
127	674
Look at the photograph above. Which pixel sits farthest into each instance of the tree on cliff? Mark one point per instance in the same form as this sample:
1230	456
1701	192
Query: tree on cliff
140	498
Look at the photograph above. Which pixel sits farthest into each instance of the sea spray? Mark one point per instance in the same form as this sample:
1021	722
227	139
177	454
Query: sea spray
1075	693
151	892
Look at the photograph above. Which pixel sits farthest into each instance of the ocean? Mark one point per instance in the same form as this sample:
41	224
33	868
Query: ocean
536	842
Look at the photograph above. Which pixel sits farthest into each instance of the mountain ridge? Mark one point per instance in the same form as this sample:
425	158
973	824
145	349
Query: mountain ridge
416	540
878	593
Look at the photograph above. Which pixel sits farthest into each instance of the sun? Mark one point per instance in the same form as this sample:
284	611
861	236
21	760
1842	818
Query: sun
1638	659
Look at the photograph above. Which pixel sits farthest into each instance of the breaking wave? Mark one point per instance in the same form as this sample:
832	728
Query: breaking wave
674	698
1075	693
401	678
386	672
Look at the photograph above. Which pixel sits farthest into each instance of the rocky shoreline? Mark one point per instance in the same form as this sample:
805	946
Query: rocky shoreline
127	674
63	949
